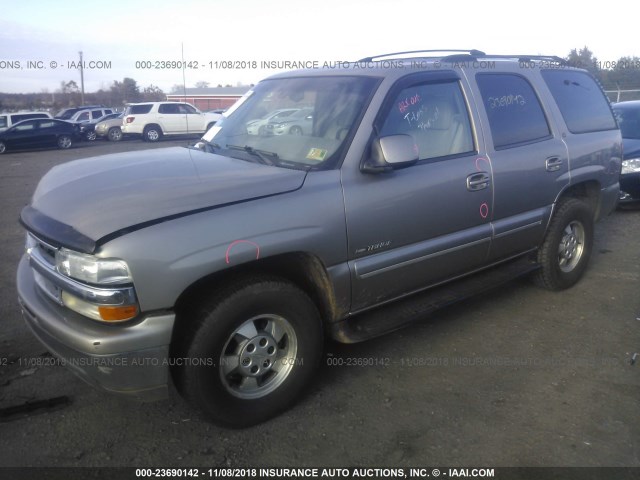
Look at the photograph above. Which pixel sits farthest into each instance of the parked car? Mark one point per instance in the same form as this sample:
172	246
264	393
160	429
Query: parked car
7	120
90	115
88	129
68	113
153	120
222	267
39	133
257	126
628	116
111	128
298	123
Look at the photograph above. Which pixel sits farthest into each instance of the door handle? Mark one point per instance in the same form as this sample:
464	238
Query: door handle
478	181
553	164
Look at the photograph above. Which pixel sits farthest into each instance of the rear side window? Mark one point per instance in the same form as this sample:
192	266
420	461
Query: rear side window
3	121
139	109
514	111
581	101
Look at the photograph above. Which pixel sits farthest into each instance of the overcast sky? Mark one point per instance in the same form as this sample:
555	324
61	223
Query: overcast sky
116	34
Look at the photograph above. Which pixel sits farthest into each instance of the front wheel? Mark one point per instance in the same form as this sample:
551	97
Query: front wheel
64	142
566	249
250	351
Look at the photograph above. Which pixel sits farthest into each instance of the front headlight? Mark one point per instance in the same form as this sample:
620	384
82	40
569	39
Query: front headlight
90	269
630	166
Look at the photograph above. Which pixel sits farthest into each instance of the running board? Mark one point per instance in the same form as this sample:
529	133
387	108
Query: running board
401	313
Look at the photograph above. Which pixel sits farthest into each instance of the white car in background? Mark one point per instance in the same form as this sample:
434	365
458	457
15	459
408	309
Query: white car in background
258	125
153	120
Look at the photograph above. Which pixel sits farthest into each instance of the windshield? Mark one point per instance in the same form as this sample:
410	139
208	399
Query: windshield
293	122
629	121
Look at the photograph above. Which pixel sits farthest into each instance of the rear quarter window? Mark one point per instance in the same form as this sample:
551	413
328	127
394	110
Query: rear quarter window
139	109
513	109
581	101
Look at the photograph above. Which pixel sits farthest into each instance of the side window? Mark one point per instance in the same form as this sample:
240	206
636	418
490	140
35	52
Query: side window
513	108
95	114
169	108
26	126
83	117
3	121
47	124
435	115
580	99
187	109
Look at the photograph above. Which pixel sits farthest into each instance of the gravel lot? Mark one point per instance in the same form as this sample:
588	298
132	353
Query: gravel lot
518	377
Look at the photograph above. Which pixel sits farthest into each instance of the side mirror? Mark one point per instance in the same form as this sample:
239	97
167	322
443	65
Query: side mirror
391	153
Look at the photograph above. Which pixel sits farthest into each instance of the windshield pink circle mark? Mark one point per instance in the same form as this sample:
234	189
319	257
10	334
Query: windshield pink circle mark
236	242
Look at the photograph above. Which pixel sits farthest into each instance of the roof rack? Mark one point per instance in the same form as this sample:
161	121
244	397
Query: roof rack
476	53
461	55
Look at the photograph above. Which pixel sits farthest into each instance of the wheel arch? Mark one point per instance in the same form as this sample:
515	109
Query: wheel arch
302	269
588	191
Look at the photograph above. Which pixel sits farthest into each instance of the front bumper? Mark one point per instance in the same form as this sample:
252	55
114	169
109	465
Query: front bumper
630	187
130	360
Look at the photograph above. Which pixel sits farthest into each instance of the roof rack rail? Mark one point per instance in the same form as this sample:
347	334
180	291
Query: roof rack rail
469	52
461	55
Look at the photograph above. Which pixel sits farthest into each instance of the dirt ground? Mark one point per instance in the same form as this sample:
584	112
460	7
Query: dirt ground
517	377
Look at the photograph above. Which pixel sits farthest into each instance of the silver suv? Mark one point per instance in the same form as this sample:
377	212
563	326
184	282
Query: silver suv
155	119
418	182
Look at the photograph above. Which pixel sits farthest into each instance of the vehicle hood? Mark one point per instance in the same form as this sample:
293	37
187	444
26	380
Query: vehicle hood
79	203
630	148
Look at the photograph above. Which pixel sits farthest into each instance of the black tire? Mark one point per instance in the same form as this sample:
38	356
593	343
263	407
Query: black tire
3	148
242	379
209	126
567	246
152	133
295	130
114	134
64	142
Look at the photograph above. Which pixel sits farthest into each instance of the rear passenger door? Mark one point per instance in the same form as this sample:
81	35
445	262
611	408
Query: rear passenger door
414	227
529	160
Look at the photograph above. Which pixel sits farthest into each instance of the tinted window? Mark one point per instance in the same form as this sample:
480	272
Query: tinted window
582	102
95	114
3	121
628	120
27	125
138	109
26	116
168	108
514	111
187	109
435	115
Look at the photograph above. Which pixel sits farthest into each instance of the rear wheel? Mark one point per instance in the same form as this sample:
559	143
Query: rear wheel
91	136
115	134
295	130
3	148
250	352
64	142
566	249
152	133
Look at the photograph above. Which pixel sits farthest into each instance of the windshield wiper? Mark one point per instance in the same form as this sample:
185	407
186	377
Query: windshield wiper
261	154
